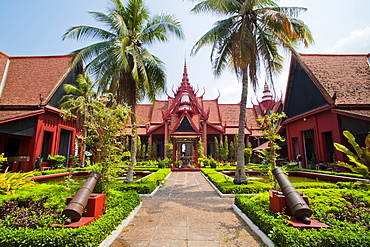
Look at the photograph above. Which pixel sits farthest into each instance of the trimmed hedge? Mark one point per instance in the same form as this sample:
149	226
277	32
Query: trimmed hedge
226	185
146	185
119	205
345	174
324	203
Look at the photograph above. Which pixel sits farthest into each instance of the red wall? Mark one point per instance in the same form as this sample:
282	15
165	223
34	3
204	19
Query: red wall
32	146
320	122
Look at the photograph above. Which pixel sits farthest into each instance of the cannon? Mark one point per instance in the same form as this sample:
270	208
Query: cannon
76	206
293	198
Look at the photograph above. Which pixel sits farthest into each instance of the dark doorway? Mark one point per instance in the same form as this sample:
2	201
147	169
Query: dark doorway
65	144
12	146
329	147
310	149
46	145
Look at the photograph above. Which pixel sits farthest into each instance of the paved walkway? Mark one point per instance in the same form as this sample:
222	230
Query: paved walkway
186	212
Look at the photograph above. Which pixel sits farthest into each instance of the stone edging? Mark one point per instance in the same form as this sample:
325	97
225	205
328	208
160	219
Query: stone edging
254	228
156	189
110	239
215	188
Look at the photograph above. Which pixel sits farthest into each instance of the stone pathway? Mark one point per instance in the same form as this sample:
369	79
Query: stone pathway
187	212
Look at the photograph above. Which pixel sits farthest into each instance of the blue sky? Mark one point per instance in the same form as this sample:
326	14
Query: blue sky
36	27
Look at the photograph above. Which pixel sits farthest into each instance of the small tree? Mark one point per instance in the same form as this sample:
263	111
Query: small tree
232	151
139	153
248	151
360	159
169	148
127	144
104	127
226	148
270	124
144	152
201	156
217	149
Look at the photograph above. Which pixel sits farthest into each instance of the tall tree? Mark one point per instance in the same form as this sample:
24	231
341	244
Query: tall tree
120	61
78	102
248	39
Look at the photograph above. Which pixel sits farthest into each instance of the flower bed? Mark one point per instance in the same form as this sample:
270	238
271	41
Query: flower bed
345	211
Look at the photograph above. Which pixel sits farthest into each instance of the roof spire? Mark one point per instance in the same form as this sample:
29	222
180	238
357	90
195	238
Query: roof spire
266	93
185	79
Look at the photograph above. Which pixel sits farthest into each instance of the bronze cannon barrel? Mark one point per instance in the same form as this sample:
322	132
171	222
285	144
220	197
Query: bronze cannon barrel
294	200
75	208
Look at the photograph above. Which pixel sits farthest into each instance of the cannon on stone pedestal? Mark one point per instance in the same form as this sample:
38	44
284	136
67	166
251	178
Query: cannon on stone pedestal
293	198
76	206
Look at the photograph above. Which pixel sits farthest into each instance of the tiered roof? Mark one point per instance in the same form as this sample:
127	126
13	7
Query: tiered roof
222	118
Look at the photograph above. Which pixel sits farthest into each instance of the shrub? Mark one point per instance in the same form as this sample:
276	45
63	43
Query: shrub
340	234
146	185
10	182
118	207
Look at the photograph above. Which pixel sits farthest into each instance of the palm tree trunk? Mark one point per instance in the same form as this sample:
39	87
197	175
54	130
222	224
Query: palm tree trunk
240	177
133	148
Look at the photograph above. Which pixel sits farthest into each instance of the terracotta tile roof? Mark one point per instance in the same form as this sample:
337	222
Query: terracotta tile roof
214	114
229	114
159	107
345	76
251	118
143	113
11	115
30	77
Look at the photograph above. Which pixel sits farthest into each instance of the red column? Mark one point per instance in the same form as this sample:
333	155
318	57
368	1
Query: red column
204	138
165	138
196	152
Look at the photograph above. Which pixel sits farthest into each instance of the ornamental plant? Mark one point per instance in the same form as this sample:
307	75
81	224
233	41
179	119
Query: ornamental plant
2	158
57	160
10	182
270	123
360	159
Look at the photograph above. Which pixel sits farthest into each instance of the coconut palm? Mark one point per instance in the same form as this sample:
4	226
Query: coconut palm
120	61
77	102
247	40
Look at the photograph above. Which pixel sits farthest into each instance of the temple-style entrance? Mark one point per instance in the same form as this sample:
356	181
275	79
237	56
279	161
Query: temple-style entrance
186	152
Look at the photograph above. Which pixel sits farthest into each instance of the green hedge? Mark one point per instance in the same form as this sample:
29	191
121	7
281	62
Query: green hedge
119	205
324	203
345	174
57	171
146	185
226	185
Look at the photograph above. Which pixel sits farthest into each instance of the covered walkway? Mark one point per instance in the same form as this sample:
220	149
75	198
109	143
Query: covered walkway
186	211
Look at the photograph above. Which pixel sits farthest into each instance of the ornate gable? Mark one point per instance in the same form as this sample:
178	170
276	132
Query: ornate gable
185	105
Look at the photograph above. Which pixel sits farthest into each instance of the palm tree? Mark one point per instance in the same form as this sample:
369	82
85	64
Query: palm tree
247	39
120	61
78	102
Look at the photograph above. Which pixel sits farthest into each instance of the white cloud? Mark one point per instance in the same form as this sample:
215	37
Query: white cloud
357	42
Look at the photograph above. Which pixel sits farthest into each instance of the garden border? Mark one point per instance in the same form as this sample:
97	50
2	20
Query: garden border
157	188
215	188
110	239
254	228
